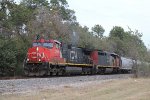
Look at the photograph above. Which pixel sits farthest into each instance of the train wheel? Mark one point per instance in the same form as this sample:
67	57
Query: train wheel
60	71
54	71
63	71
26	73
102	70
49	70
94	70
42	73
89	72
115	70
31	74
37	74
83	71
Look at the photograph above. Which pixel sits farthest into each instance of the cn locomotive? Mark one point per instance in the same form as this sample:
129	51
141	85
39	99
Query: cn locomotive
50	57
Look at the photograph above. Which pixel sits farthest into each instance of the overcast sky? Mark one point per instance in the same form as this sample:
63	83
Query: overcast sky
109	13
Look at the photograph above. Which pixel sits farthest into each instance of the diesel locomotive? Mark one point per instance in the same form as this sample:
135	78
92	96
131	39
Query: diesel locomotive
50	57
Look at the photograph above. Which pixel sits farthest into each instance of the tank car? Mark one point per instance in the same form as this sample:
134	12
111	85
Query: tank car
127	64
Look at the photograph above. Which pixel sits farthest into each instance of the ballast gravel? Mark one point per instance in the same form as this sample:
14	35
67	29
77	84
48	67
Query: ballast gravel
17	86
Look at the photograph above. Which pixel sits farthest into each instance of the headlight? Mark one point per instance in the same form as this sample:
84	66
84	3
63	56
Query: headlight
37	49
27	59
39	59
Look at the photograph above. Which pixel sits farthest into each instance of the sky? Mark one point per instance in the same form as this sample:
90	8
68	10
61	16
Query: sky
109	13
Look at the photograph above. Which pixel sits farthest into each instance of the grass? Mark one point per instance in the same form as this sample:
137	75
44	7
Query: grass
127	89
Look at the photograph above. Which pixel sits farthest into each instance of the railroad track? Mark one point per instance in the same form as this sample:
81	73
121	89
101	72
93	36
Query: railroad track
30	77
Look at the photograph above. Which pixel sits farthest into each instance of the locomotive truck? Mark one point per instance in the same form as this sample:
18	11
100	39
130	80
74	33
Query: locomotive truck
50	57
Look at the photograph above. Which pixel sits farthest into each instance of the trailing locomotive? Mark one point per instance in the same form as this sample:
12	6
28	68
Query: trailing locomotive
50	57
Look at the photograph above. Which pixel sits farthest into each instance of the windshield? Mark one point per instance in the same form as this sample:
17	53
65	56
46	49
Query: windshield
47	45
37	44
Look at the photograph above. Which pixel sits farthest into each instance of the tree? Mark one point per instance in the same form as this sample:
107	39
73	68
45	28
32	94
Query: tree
61	7
8	59
34	4
49	25
5	6
53	21
13	43
98	30
127	43
117	31
19	15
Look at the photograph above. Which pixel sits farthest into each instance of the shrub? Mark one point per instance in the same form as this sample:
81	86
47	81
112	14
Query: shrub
142	70
8	59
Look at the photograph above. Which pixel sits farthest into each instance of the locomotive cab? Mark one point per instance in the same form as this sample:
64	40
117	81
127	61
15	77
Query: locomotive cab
44	51
41	56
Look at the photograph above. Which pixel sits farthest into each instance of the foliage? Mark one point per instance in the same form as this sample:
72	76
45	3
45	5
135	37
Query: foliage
117	32
142	70
61	8
85	38
8	53
127	43
33	4
20	23
98	30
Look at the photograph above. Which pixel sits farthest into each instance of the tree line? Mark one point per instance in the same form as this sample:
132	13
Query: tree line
21	23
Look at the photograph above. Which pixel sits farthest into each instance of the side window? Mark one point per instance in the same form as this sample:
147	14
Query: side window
101	53
57	45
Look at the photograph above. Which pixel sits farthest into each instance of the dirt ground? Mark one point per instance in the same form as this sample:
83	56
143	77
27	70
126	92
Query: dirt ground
126	89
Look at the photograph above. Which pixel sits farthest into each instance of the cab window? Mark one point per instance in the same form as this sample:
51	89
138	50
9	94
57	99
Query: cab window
57	45
48	45
37	44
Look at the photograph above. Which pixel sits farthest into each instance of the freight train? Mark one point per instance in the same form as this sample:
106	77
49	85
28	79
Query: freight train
50	57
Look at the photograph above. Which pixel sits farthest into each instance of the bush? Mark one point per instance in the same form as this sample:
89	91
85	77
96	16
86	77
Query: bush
142	70
8	59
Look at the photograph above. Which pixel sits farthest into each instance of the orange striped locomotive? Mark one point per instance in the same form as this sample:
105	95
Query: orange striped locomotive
50	57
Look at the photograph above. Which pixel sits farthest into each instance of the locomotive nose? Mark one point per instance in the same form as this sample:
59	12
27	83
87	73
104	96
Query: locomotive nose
36	54
39	53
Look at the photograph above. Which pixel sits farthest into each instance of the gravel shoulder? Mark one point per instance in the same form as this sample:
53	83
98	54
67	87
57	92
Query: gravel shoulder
110	89
33	85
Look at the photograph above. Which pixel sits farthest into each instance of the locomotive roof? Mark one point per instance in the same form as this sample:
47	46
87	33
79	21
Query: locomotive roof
114	54
108	53
57	41
43	40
